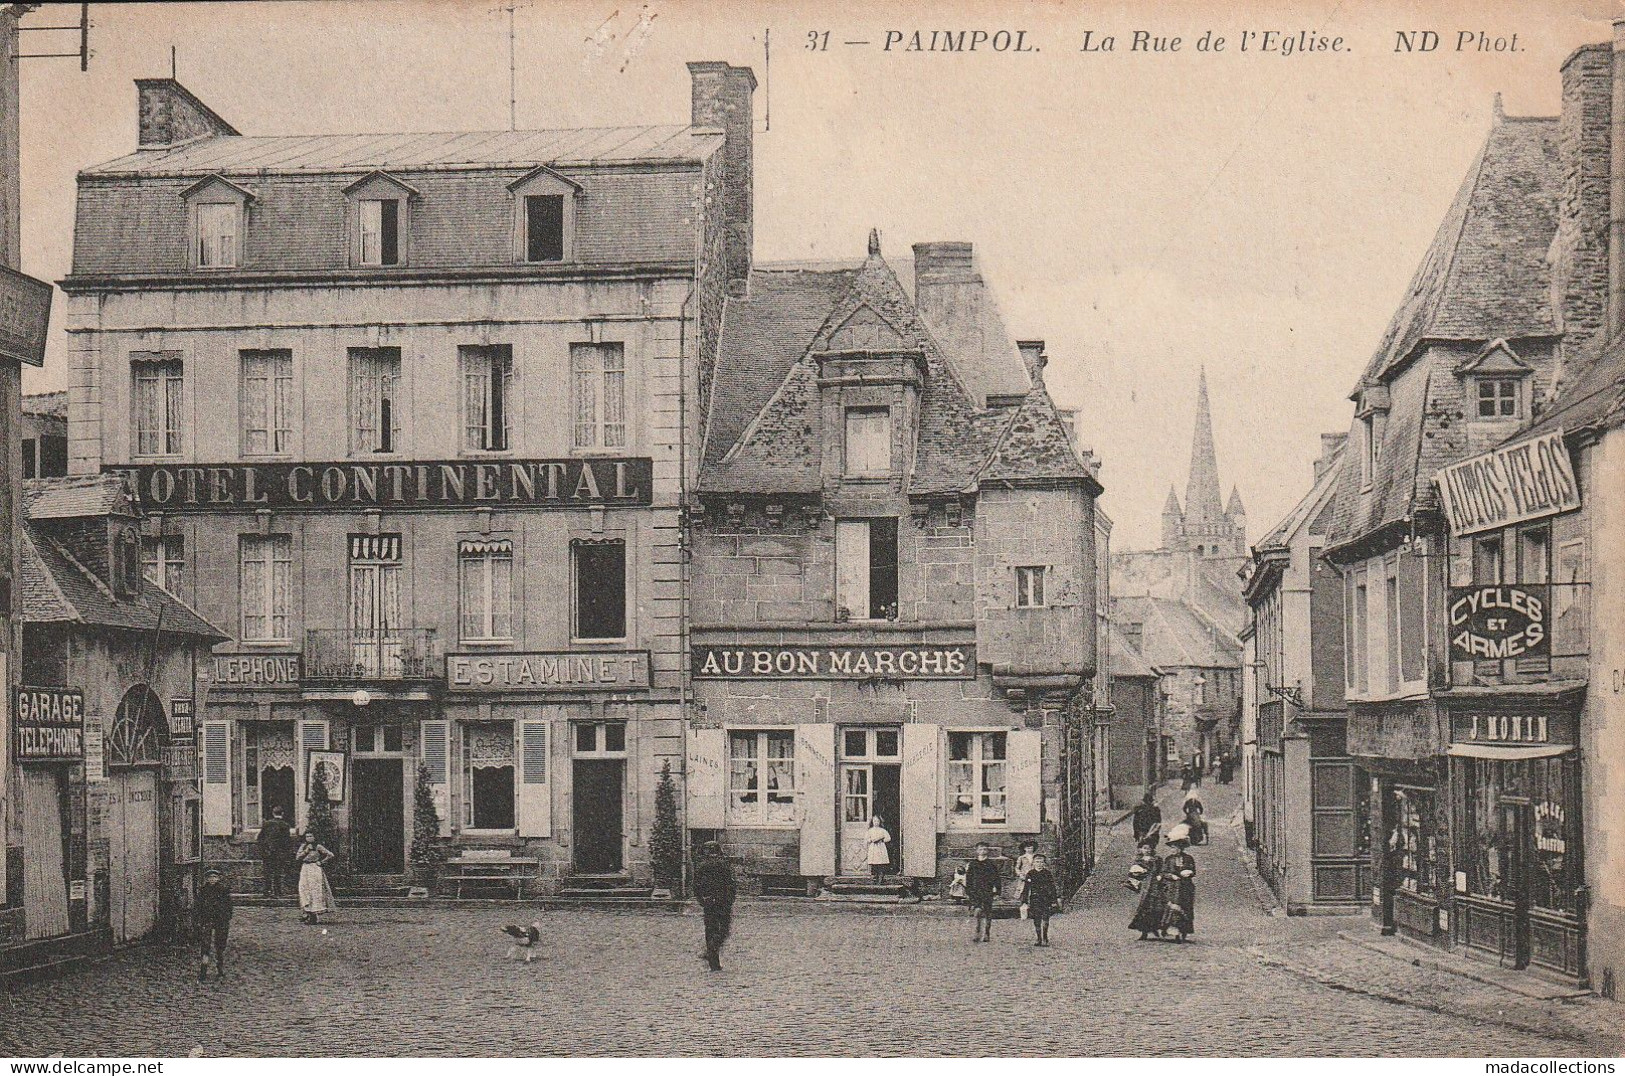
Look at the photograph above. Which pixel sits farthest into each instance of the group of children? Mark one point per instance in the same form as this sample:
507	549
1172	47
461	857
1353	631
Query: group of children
978	883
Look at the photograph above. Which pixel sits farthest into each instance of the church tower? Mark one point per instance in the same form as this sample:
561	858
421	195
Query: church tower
1207	526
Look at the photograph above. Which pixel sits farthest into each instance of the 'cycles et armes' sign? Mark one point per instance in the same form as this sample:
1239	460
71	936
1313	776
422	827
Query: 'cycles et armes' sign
1492	622
918	662
1523	481
50	724
571	483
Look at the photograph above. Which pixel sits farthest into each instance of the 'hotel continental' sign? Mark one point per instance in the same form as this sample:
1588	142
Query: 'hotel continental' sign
1522	481
50	724
572	483
566	671
922	661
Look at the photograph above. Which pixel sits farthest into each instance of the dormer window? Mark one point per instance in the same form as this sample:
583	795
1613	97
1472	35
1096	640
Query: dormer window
1498	382
544	217
1498	397
379	207
215	209
868	441
544	228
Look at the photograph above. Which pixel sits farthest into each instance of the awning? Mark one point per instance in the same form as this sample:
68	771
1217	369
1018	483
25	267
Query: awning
1504	753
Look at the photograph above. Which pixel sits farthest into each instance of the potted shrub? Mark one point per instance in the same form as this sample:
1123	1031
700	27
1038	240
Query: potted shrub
666	837
427	851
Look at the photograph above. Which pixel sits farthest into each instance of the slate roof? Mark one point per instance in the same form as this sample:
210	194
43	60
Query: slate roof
1177	635
1035	445
58	589
1593	399
1304	512
48	404
281	154
1486	274
75	497
1127	663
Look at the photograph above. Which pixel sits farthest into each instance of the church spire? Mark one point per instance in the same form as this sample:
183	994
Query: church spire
1202	498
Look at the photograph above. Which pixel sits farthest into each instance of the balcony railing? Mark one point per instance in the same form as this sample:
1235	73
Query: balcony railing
371	654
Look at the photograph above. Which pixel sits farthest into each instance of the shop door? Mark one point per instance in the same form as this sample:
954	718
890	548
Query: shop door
377	816
871	776
596	796
133	853
857	803
1517	836
45	884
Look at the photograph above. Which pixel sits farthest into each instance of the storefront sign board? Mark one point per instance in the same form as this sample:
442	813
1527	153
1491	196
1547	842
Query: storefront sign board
257	670
554	670
50	724
1489	623
1518	482
921	661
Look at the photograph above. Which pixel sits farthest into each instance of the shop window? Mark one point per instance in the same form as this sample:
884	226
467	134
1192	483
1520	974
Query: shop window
866	569
157	399
761	778
1030	587
163	561
976	778
488	771
266	402
487	397
266	569
375	379
598	385
599	570
485	574
868	441
1414	841
268	771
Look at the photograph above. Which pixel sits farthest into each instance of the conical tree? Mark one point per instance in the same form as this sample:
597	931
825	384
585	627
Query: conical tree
427	851
666	838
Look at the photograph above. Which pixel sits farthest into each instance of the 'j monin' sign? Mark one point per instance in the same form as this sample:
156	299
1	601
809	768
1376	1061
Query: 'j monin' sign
572	483
919	662
1523	481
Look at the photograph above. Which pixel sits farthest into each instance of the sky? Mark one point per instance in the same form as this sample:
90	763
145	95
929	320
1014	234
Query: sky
1148	214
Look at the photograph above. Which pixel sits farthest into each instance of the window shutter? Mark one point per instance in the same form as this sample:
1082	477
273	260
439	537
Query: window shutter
1024	755
921	766
534	813
217	778
312	737
707	768
852	568
434	746
815	792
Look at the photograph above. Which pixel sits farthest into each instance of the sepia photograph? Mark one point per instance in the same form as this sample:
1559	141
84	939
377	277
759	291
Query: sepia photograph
809	529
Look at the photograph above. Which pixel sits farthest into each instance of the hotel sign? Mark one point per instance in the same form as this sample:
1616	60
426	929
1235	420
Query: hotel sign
256	670
1509	485
1488	623
917	662
50	724
570	483
25	314
556	671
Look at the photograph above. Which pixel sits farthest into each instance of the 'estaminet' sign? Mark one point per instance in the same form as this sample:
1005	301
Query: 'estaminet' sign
1509	485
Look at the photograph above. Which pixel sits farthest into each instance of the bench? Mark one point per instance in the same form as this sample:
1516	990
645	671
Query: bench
492	868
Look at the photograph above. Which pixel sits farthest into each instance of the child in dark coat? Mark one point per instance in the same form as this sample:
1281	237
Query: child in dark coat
981	889
213	923
1041	896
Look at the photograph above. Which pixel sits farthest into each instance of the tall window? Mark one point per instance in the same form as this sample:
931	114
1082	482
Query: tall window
598	384
761	778
1371	427
1535	554
158	396
866	569
378	224
487	397
1498	397
600	589
976	778
265	585
163	561
868	441
1391	619
375	378
544	227
485	571
1487	559
488	800
268	764
1030	587
217	227
267	402
1359	628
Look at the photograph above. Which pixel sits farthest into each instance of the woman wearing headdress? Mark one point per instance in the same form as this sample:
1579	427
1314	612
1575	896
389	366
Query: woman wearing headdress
1145	876
1179	881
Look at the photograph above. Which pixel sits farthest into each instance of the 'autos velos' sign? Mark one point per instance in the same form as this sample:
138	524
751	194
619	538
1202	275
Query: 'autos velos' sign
1491	622
1527	480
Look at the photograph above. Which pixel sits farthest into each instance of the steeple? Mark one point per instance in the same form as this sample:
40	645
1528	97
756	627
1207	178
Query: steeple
1202	503
1173	522
1234	507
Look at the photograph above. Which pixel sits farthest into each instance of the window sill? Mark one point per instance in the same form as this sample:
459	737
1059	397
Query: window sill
622	641
266	644
606	453
478	453
734	824
488	644
485	833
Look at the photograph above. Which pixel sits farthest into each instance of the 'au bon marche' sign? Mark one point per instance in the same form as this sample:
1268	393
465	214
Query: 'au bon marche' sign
50	724
1492	622
1509	485
918	662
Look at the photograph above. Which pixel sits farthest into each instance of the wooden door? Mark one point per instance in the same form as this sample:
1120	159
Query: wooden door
133	853
377	816
45	885
597	812
857	802
1517	837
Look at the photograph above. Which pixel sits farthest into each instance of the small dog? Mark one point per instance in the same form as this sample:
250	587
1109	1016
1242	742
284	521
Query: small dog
526	941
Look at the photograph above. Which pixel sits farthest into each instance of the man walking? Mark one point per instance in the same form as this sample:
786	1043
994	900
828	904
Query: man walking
714	889
213	923
1147	817
981	887
276	851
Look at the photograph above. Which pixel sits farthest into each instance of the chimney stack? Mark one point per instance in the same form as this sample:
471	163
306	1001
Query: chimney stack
723	98
1033	357
168	114
1330	443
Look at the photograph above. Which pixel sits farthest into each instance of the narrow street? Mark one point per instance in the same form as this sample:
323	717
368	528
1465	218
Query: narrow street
433	981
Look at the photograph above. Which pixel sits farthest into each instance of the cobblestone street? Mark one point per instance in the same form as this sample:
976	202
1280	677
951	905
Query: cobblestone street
433	981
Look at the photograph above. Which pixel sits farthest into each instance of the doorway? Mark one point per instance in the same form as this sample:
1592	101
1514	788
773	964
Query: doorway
1517	836
45	884
871	784
377	816
133	853
596	797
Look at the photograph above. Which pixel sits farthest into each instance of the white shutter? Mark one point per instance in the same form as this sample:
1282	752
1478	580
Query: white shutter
852	568
217	778
434	746
815	791
1024	759
921	767
312	737
707	774
534	794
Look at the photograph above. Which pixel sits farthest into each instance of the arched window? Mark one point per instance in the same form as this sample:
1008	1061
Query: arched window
139	729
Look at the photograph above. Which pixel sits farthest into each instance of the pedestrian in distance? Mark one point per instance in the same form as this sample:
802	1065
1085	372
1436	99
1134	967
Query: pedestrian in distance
1145	876
1179	879
1042	898
878	840
276	852
213	917
1186	778
981	890
1195	819
315	894
1227	767
714	889
1147	817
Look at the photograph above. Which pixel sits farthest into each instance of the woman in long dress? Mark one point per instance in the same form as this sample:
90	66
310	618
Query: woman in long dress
878	839
315	895
1179	880
1145	875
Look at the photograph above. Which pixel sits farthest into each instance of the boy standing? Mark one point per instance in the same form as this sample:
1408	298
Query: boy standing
213	923
1041	896
981	887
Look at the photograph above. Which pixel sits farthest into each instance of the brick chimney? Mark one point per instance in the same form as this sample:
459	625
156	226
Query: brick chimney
168	115
948	294
723	98
1330	443
1579	251
1033	357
